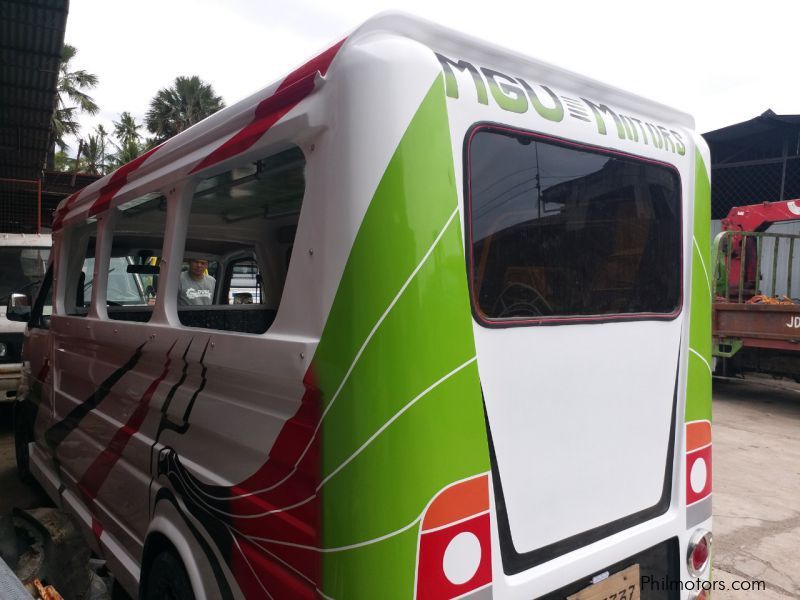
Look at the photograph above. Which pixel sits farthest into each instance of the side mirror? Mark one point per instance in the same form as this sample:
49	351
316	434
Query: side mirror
18	307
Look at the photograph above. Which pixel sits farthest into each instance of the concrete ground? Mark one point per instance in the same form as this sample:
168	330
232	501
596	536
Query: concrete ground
756	479
756	473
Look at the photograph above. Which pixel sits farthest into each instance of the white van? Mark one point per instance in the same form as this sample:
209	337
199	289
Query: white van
477	365
23	261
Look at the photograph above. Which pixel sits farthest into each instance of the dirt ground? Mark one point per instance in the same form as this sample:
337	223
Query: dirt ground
756	478
12	491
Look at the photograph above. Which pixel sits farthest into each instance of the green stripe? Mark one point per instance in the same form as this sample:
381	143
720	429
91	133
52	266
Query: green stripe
698	386
384	453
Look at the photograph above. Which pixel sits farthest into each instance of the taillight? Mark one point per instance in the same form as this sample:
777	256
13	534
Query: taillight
699	552
455	551
701	595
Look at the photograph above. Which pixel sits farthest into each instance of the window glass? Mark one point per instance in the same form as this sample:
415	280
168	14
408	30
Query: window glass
80	268
562	231
135	261
43	303
244	283
21	269
241	230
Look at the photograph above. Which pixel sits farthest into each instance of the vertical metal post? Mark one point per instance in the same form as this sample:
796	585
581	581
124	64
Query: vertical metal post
789	275
777	241
742	263
757	282
785	160
727	269
39	205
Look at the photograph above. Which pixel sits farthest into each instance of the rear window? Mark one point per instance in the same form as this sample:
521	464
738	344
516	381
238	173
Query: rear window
558	230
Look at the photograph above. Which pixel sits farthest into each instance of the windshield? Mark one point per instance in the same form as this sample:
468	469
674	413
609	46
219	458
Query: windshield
124	288
21	268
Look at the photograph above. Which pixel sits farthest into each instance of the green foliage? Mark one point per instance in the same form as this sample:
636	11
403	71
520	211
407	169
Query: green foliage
176	108
63	161
72	97
93	158
129	143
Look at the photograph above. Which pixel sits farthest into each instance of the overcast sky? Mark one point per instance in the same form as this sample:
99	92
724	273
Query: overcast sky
722	62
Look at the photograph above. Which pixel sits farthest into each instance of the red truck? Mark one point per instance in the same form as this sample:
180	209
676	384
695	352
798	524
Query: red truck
756	317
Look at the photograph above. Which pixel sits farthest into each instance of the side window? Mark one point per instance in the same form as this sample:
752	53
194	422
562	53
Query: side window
43	304
80	246
135	261
240	234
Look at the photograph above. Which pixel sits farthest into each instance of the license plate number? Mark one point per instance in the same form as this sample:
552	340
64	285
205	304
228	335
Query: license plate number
619	586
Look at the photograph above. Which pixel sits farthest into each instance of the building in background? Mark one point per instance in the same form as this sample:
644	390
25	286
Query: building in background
32	35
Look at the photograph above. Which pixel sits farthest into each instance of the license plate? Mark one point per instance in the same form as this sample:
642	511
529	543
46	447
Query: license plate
619	586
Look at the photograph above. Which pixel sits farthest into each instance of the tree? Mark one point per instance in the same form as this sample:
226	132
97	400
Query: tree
127	129
71	98
63	161
129	141
176	108
93	158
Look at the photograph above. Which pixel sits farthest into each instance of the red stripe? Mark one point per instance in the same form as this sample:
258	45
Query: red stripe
432	582
299	525
693	496
97	528
97	473
296	86
118	180
62	210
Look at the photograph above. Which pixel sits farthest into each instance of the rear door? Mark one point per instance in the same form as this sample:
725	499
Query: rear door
574	255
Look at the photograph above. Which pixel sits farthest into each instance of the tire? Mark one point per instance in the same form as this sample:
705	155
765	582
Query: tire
22	437
167	579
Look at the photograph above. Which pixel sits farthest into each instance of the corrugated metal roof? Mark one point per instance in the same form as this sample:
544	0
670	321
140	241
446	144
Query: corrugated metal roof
31	37
766	122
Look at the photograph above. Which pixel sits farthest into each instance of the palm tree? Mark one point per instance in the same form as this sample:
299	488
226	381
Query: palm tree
126	152
71	97
102	134
176	108
92	160
129	141
63	161
127	129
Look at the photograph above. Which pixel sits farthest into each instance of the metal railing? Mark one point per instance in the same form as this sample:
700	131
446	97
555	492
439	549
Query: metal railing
776	271
20	205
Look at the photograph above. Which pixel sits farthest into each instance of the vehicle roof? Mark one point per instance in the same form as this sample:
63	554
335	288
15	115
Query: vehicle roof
33	240
230	130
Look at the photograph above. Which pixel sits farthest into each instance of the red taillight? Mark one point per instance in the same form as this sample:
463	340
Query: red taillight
701	595
699	552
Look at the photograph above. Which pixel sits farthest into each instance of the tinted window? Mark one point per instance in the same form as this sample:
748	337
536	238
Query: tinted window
563	231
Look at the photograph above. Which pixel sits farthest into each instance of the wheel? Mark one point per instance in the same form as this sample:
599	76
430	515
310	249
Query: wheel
167	579
23	435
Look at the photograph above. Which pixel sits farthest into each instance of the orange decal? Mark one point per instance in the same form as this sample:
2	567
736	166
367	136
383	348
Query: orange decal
457	502
698	434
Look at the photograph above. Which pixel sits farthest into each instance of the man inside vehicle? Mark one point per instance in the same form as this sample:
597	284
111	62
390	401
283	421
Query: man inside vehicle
196	285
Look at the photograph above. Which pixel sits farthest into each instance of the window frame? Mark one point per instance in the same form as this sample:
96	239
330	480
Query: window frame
490	323
269	265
